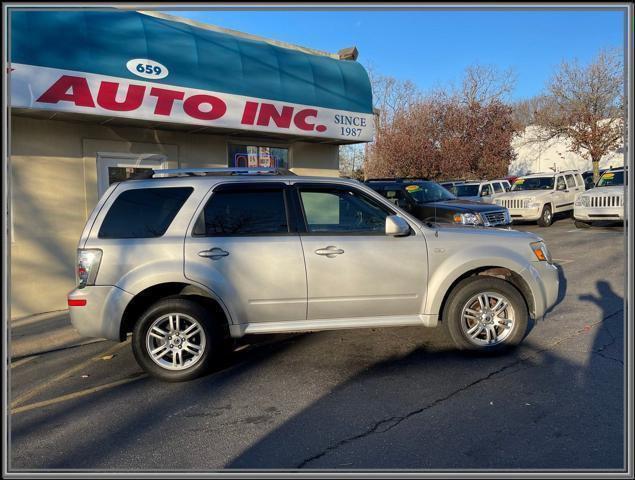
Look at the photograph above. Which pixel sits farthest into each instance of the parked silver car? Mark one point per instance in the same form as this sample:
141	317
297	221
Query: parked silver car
187	260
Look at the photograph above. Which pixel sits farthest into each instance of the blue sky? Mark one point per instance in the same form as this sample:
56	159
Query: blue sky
432	48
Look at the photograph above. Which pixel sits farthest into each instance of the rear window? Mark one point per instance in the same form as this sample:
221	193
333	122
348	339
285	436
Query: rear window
143	212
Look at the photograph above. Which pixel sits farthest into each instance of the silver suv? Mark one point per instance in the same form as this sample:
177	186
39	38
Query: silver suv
189	259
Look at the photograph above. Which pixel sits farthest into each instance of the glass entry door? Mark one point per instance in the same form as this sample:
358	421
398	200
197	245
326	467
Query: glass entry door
116	167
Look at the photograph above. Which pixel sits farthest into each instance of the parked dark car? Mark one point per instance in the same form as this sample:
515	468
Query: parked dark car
588	178
430	202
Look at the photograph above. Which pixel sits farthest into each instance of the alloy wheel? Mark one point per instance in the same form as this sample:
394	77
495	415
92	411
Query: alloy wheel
487	319
175	341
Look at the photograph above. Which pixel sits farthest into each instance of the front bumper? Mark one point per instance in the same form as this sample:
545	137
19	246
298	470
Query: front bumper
598	213
544	281
102	312
529	214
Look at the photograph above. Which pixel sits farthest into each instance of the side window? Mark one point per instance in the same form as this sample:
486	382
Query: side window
396	196
560	184
341	210
244	211
579	180
486	190
498	188
143	212
570	181
507	186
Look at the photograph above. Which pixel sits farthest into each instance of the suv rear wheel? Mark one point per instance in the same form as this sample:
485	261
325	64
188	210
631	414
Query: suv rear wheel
546	217
176	339
486	314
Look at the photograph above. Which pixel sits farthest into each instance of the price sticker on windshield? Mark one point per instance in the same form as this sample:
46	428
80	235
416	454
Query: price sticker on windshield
608	176
413	188
520	181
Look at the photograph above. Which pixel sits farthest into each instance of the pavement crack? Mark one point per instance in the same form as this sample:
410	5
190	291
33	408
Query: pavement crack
389	423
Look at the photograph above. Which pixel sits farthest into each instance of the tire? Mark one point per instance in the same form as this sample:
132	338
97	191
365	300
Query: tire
546	216
465	295
581	224
199	342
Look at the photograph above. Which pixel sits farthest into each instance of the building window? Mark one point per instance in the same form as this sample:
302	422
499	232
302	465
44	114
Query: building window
252	156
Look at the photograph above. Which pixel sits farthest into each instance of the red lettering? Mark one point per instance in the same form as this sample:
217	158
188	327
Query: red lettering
268	112
249	113
192	106
165	99
301	116
59	92
107	97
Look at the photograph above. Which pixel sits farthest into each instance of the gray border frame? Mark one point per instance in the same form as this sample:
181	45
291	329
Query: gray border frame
626	8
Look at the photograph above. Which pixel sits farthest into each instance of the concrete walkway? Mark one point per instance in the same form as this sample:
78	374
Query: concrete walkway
44	333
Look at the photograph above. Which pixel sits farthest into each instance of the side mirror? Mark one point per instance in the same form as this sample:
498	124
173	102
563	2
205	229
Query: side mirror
396	226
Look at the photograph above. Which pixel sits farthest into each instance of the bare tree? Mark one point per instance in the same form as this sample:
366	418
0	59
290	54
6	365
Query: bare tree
391	96
486	83
587	106
352	159
525	112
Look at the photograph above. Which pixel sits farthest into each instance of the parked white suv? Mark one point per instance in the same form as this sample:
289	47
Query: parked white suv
188	260
604	202
538	197
484	191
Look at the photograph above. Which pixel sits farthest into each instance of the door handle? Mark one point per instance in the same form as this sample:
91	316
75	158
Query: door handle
330	251
213	253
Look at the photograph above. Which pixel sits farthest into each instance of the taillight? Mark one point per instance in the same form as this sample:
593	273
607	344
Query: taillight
88	261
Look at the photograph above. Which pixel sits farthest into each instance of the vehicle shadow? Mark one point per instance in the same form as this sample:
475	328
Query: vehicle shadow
429	408
436	408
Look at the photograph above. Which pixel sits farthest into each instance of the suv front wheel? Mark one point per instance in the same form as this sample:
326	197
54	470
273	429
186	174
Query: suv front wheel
485	313
176	339
546	217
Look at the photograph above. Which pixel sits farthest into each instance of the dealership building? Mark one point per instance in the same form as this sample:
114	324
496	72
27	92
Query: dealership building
97	96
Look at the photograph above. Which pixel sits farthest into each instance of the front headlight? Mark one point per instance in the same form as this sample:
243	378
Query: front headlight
530	203
541	251
468	218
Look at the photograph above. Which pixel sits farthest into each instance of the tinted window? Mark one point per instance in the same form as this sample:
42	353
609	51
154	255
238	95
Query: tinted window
396	196
611	179
466	190
570	181
533	183
342	210
143	213
244	212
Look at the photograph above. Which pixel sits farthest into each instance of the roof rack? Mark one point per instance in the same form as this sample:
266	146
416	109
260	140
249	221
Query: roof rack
205	172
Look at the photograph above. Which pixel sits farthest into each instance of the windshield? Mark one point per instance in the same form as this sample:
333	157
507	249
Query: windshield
424	192
466	190
611	179
533	183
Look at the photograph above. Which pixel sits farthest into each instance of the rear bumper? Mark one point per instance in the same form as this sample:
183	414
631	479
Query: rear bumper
604	213
102	310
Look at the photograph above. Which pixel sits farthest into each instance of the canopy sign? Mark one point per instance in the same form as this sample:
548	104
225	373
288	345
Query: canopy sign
269	89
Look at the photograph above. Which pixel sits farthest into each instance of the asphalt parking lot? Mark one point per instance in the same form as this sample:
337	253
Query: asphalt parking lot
399	398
